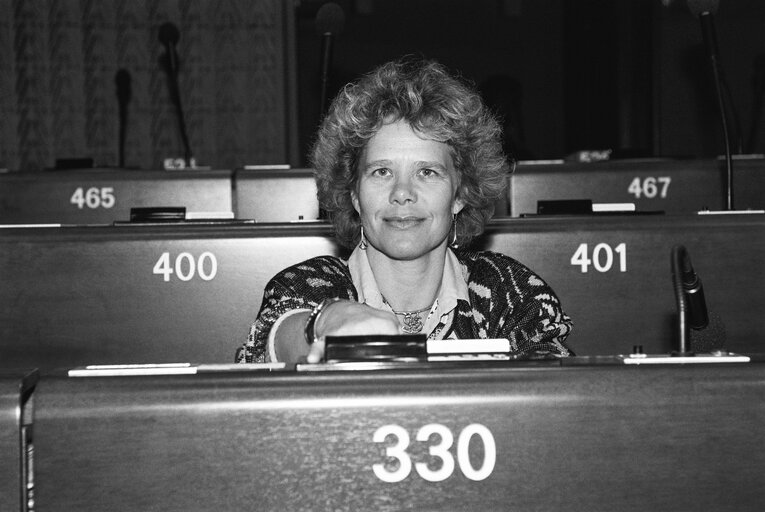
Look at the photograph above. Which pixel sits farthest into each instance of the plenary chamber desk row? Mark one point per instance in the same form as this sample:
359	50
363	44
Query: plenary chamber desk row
579	434
188	292
103	196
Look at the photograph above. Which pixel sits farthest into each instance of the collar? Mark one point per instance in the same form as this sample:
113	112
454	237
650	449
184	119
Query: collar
453	283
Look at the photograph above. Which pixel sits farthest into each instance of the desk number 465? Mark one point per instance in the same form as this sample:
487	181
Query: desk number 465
93	197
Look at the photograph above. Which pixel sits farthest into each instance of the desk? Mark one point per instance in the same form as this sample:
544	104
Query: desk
139	294
526	437
273	195
613	274
102	196
671	186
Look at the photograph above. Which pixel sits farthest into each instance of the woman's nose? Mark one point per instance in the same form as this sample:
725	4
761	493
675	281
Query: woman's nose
403	191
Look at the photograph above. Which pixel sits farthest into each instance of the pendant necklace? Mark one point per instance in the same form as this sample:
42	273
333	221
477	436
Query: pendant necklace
412	319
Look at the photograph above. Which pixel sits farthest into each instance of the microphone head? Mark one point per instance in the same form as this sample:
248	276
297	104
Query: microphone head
710	338
330	19
122	80
168	33
699	7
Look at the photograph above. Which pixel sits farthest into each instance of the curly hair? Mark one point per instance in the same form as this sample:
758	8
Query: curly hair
432	101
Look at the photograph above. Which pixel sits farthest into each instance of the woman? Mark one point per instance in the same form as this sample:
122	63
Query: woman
408	165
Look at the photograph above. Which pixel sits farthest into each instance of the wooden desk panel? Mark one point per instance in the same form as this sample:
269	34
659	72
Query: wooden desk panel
276	195
98	295
624	295
101	196
614	438
16	387
101	295
671	186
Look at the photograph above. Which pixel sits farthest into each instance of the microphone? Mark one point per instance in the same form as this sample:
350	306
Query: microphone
330	20
698	317
168	36
124	93
703	330
704	10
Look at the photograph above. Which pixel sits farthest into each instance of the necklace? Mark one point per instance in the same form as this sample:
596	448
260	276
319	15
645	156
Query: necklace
412	319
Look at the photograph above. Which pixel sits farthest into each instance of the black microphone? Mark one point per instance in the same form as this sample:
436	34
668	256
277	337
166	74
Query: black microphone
698	317
700	330
124	94
330	20
169	36
704	10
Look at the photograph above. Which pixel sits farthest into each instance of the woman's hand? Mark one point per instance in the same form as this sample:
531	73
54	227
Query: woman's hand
348	318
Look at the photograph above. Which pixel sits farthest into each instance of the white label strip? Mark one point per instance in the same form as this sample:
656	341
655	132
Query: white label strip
686	360
473	346
613	207
108	370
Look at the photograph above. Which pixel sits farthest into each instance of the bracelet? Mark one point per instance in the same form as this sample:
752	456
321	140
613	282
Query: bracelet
310	335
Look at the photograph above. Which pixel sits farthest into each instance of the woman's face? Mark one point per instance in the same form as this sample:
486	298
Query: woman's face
406	192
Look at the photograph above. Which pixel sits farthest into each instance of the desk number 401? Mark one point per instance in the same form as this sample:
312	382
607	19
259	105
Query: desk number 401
602	257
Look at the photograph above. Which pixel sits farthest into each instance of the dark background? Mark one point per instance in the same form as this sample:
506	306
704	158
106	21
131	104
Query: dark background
567	75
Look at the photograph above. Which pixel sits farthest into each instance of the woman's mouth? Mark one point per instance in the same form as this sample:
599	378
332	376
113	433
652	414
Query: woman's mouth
403	222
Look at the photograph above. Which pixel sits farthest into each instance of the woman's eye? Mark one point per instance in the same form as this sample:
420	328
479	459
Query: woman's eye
428	173
382	171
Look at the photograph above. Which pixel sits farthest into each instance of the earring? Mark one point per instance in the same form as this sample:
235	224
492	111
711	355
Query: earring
454	243
362	242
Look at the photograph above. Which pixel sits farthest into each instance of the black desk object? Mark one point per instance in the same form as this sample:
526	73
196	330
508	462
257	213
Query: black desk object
573	437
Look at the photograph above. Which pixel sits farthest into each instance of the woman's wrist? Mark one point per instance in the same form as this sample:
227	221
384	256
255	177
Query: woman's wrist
311	324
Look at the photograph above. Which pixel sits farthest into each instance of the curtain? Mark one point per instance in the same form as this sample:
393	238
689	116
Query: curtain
59	60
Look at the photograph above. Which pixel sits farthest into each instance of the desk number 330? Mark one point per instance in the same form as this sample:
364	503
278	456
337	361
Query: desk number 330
440	451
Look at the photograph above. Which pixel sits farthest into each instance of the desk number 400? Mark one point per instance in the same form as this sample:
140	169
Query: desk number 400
185	266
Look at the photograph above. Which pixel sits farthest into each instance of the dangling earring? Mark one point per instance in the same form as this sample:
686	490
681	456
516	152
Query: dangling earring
454	243
362	242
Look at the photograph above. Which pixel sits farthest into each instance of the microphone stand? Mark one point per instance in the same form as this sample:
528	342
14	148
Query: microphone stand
678	253
175	93
122	80
326	51
708	32
168	35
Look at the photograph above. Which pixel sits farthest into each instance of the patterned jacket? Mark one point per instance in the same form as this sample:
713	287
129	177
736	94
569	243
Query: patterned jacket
507	300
